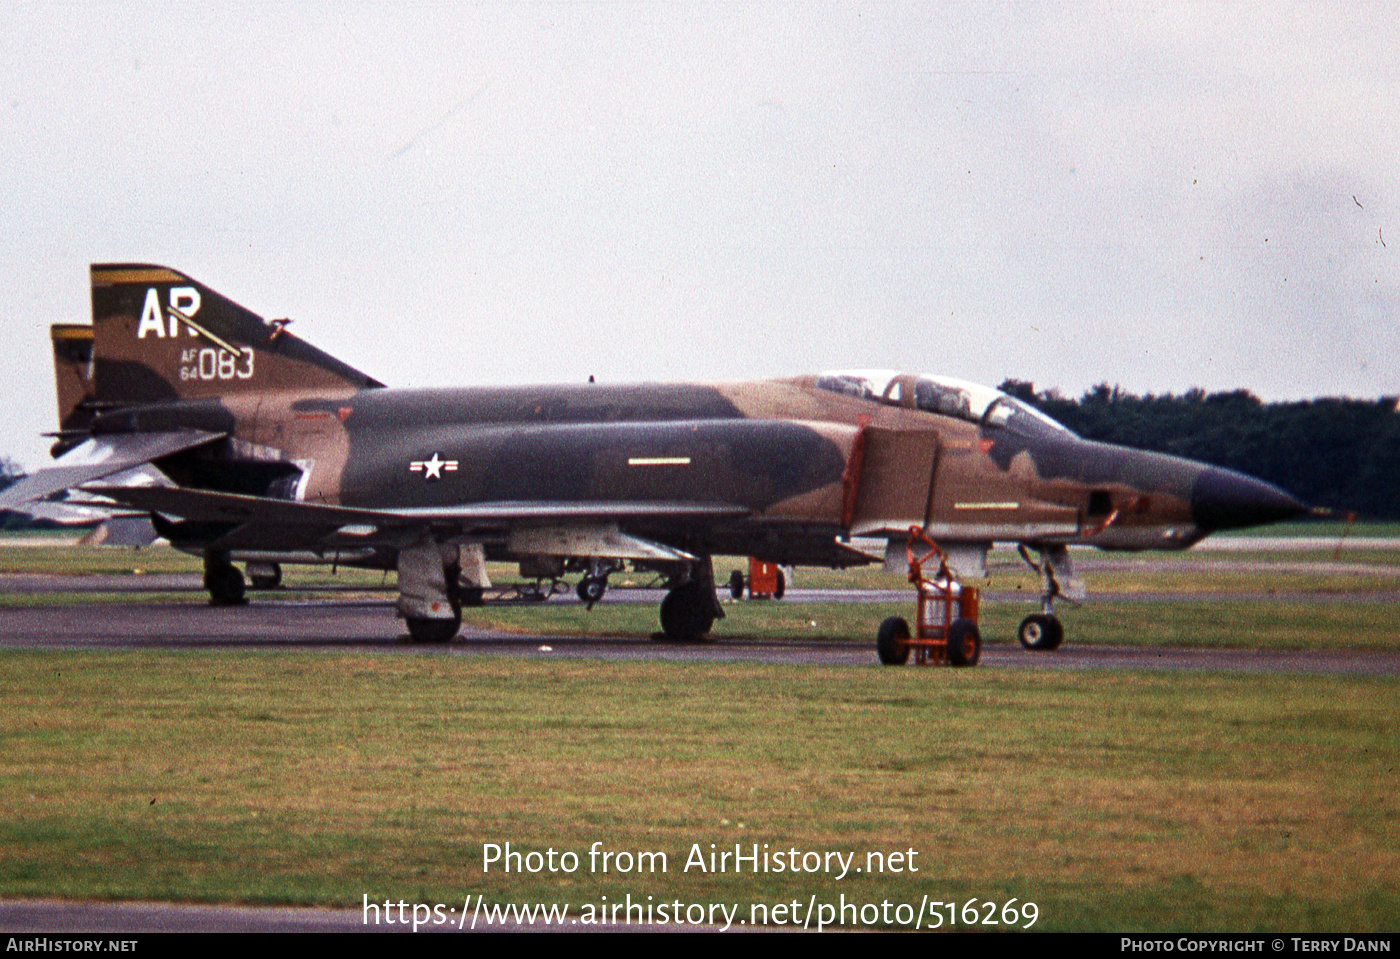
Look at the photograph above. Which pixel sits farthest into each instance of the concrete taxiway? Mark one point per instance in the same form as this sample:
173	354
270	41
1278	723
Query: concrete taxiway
346	625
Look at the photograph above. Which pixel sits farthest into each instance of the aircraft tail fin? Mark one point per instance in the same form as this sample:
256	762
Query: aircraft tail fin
158	335
72	371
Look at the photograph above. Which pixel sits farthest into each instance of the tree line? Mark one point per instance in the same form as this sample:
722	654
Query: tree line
1343	454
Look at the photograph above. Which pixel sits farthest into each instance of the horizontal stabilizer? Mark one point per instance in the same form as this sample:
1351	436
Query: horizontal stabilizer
100	457
65	513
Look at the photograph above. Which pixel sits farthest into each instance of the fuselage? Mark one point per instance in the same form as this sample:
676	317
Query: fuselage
807	461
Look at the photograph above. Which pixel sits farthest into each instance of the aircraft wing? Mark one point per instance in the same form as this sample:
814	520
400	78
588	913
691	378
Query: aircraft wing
99	458
211	506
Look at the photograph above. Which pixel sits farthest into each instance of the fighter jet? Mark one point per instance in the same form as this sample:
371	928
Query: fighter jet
244	443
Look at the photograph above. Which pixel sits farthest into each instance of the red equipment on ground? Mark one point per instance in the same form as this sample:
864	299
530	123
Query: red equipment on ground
947	615
765	581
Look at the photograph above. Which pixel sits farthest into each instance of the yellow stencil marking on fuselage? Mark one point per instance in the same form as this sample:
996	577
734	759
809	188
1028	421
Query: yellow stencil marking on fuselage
658	461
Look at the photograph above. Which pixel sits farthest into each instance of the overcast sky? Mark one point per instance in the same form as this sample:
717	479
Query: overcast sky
1160	195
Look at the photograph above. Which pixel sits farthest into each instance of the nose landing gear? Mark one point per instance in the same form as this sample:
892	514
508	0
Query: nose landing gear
1043	631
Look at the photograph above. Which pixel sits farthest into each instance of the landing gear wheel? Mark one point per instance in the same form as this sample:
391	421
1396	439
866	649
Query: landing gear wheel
434	630
964	643
1041	631
736	585
591	589
687	613
892	641
225	585
269	576
781	587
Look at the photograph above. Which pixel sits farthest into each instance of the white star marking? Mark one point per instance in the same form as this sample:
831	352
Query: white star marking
433	468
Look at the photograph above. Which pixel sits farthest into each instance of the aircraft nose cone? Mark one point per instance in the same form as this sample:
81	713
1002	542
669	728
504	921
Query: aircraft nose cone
1224	499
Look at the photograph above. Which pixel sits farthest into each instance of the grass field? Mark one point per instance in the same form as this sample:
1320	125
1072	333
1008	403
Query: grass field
1130	801
1111	800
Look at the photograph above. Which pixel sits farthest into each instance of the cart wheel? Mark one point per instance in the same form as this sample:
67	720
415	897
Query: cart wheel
1041	632
781	586
892	641
736	585
964	643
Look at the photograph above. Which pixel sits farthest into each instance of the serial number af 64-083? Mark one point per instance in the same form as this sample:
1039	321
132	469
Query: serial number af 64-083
244	443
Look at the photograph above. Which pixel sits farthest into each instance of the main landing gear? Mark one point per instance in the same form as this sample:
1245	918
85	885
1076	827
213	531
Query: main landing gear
435	581
227	586
424	630
690	608
595	579
1043	631
265	575
591	589
224	581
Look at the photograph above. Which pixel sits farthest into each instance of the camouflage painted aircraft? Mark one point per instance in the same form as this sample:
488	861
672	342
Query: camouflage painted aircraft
244	443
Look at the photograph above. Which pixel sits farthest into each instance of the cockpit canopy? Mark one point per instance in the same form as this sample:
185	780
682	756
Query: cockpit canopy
944	396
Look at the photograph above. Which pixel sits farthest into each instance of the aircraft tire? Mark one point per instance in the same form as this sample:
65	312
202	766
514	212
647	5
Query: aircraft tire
891	642
736	585
225	584
591	589
1041	632
270	580
687	613
964	643
781	587
434	630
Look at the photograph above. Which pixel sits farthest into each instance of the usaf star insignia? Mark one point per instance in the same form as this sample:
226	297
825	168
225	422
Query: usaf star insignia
434	467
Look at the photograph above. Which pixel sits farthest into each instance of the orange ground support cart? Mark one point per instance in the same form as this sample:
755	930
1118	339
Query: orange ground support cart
765	581
946	615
